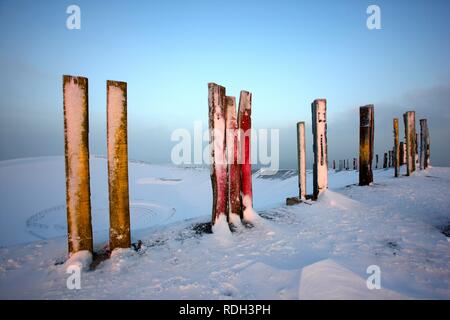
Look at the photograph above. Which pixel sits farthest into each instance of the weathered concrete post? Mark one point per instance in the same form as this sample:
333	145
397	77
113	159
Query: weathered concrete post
402	153
410	138
76	142
424	144
366	137
319	129
396	149
234	174
416	156
216	103
119	204
301	156
245	125
389	158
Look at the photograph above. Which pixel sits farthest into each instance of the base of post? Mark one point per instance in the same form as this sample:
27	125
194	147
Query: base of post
292	201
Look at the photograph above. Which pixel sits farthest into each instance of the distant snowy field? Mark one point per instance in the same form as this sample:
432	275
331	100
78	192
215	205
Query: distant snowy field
309	251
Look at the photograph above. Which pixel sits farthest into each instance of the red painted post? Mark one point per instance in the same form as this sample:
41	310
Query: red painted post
234	179
217	120
244	122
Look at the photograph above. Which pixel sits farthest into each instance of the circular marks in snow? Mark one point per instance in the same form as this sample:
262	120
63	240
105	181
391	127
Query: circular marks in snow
159	181
52	222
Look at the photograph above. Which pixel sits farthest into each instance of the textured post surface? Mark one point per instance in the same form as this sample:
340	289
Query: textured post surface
217	118
366	138
234	178
396	149
245	125
301	157
410	138
389	158
119	205
402	153
424	144
76	141
319	129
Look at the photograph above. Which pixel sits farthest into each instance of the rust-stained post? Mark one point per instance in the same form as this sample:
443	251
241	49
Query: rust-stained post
119	204
410	137
217	118
402	153
366	139
396	149
301	156
389	158
245	126
424	144
234	179
319	129
76	142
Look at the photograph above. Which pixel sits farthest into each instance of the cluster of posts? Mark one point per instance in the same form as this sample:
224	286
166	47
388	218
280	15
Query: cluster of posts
407	152
231	170
320	150
76	138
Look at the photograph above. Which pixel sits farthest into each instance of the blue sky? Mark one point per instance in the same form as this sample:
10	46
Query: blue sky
286	53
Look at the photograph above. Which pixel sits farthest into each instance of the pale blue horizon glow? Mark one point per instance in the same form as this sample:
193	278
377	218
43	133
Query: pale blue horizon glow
287	53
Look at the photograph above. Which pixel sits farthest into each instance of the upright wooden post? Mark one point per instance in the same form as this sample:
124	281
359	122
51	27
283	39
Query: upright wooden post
376	161
301	156
416	155
245	125
389	158
385	160
402	153
396	149
234	175
319	129
366	139
119	204
76	143
410	138
216	103
424	144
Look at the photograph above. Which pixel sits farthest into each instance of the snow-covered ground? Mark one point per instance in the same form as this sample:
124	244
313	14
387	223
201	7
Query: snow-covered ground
309	251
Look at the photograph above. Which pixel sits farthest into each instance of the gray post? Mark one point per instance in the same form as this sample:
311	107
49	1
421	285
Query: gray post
301	156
